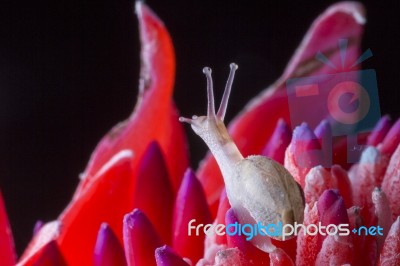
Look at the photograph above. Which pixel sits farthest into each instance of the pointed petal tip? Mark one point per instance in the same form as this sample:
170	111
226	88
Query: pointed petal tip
108	250
130	218
323	128
356	9
143	10
166	256
331	208
303	132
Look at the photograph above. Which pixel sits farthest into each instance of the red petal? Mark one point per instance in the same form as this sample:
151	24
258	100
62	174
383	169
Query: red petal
280	258
190	204
47	233
324	134
391	183
166	256
250	252
278	143
383	213
379	132
331	210
107	196
7	252
343	184
223	207
140	239
107	200
214	243
307	245
249	130
49	255
153	192
391	248
364	247
289	246
154	116
392	139
108	249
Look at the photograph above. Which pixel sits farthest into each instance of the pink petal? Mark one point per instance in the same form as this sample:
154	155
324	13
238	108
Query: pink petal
231	256
303	153
383	213
391	183
355	219
7	251
248	129
279	141
365	176
391	140
140	239
331	208
108	250
379	132
316	182
335	251
390	254
190	204
223	207
250	252
324	134
166	256
153	192
343	184
280	258
364	247
307	245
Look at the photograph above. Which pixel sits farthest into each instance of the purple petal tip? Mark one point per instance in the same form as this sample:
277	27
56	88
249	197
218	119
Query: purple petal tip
166	256
331	208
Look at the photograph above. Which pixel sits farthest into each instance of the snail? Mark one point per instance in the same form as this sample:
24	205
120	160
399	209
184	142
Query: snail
259	189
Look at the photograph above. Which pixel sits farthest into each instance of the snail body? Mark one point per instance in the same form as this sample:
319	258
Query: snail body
259	189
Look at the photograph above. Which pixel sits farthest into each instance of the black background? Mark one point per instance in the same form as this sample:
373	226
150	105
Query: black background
69	71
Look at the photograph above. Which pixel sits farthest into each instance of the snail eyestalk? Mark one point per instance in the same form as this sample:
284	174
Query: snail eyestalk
259	189
225	98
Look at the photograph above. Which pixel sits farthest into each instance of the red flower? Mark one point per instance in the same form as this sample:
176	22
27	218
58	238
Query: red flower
135	199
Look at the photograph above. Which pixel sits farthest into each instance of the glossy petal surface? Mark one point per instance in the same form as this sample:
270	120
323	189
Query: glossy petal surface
140	239
7	252
190	204
108	250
